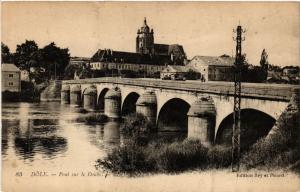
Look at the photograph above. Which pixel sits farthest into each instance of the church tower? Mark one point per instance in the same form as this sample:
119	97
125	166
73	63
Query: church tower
145	39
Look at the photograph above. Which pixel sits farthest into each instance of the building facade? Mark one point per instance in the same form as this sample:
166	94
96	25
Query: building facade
11	78
291	71
174	72
138	68
213	68
79	60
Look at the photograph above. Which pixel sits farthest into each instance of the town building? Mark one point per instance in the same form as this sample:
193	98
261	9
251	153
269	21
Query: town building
149	56
174	72
11	78
291	71
79	60
119	67
213	68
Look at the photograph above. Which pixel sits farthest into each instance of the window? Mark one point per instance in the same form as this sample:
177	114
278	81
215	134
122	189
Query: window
10	75
10	83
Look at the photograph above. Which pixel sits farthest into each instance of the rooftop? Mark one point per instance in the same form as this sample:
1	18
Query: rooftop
223	60
176	68
9	67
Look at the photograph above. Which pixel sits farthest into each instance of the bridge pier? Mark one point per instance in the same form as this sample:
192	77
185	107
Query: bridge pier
147	106
65	94
201	121
112	106
75	95
90	98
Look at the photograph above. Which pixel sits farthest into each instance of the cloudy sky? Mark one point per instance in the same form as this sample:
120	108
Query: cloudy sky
203	28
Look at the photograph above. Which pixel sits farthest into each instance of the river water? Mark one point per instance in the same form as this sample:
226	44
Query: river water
45	149
45	135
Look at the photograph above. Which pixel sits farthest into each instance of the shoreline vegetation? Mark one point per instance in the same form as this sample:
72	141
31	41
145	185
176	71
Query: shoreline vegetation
92	117
140	154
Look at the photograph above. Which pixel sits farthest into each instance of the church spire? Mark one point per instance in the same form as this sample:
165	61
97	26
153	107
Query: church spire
145	21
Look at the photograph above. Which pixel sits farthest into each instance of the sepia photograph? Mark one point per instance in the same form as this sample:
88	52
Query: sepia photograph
144	96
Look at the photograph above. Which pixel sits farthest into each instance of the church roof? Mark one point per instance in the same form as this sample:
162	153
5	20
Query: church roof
165	49
223	60
129	57
161	49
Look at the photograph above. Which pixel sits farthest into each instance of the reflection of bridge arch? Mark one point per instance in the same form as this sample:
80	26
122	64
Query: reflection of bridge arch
100	103
173	115
254	125
129	104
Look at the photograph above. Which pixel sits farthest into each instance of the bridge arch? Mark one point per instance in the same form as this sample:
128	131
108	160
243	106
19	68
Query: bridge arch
254	125
270	107
129	103
100	100
89	98
75	95
172	116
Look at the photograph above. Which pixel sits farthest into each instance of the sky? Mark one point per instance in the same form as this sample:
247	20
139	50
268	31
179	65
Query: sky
203	28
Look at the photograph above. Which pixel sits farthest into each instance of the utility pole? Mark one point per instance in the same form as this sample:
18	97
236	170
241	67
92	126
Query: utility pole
236	129
55	71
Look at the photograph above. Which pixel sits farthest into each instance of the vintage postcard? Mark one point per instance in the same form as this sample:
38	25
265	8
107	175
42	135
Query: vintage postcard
150	96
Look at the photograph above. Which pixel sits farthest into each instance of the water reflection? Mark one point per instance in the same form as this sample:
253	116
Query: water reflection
30	131
111	137
36	134
105	136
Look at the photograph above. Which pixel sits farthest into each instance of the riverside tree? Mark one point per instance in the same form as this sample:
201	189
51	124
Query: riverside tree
54	60
6	56
50	61
27	55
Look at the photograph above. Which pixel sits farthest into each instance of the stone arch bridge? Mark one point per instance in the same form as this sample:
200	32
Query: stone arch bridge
204	110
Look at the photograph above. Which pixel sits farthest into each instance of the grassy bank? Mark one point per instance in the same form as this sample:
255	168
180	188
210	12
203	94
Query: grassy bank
132	158
92	118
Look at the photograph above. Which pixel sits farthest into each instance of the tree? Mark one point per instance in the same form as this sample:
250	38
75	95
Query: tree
27	55
6	56
264	64
264	60
54	60
251	73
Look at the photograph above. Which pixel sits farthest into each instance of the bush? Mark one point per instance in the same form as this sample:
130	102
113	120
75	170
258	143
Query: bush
219	157
10	96
81	110
129	158
180	156
92	118
133	158
281	147
136	124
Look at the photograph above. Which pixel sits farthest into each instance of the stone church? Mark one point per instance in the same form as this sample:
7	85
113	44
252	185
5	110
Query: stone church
147	52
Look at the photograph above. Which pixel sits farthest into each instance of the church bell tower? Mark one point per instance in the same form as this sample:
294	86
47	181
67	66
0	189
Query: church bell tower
145	39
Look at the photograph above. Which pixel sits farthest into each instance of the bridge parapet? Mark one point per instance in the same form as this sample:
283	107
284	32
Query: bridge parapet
282	92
